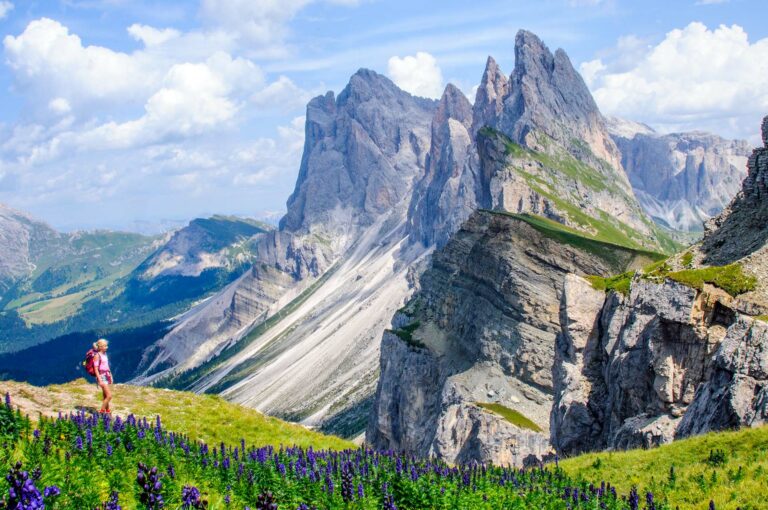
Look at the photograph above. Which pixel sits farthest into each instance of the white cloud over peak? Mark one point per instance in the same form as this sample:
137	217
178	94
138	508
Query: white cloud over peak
418	74
695	78
5	8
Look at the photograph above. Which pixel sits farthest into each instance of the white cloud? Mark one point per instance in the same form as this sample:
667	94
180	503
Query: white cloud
151	36
59	106
419	74
259	21
50	63
695	78
5	8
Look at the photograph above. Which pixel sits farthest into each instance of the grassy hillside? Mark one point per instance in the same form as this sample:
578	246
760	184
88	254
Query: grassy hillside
730	468
206	418
87	459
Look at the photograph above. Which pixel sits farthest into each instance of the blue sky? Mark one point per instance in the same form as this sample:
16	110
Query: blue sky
137	115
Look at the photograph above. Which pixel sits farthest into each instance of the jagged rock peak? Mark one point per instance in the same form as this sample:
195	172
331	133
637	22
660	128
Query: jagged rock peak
363	150
453	105
548	95
489	98
742	228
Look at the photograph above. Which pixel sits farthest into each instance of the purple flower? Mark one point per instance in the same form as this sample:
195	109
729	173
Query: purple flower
51	491
22	493
190	497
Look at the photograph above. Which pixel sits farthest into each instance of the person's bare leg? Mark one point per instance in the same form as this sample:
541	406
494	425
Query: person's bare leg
107	398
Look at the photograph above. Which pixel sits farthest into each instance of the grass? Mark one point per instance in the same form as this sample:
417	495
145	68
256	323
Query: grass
687	259
514	417
563	165
730	278
406	334
608	251
763	318
730	468
208	418
620	283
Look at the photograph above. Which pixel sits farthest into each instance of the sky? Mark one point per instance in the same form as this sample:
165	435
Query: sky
141	115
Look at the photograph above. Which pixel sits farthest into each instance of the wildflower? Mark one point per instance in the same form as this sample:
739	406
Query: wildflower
22	493
266	501
151	487
112	503
190	498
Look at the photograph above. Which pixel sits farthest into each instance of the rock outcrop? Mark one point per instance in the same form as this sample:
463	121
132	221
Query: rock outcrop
742	228
681	179
481	329
667	360
19	235
448	192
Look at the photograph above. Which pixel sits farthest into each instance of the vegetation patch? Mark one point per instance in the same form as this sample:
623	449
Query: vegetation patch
687	259
729	468
763	318
730	278
514	417
615	254
620	283
406	334
88	461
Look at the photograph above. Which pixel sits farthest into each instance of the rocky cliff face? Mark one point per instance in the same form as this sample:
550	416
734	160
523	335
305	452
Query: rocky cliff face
339	251
536	143
668	360
19	234
449	190
482	329
681	179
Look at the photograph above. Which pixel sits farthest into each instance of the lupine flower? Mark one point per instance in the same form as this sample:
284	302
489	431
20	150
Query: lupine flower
150	486
112	503
22	493
266	501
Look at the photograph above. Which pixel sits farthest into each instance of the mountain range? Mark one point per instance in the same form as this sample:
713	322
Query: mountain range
439	260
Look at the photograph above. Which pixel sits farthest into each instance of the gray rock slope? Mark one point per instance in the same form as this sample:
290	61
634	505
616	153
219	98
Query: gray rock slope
289	337
482	329
681	179
667	361
534	142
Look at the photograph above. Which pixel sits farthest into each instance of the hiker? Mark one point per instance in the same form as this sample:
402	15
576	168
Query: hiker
103	375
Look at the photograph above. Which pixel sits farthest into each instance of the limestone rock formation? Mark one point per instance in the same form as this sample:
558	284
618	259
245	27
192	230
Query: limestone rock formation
668	360
289	337
742	228
448	192
482	328
681	179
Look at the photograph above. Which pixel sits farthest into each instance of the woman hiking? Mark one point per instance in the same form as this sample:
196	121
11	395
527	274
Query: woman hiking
103	375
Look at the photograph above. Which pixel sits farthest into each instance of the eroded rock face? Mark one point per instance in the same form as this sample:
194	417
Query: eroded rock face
638	370
362	153
736	393
742	228
448	192
482	329
681	179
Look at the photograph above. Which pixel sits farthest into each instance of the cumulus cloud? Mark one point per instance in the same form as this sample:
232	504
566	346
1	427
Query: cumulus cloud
696	78
5	8
418	74
50	62
152	36
261	22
